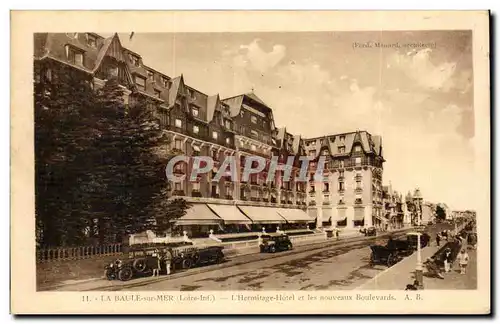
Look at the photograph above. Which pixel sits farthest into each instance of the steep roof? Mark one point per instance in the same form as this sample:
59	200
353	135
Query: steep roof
254	97
212	102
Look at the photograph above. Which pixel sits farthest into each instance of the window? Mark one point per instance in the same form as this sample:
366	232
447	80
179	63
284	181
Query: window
215	155
228	124
112	71
177	186
341	200
196	186
341	164
325	152
342	139
326	187
215	135
254	134
341	186
228	140
178	144
253	119
341	174
157	93
196	129
312	153
357	161
194	111
151	75
166	82
242	113
48	75
357	148
341	149
140	82
358	184
91	40
178	123
135	60
74	55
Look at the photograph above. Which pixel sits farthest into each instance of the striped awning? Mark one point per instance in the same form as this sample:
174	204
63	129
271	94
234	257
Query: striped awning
199	214
327	215
295	215
230	214
359	213
262	215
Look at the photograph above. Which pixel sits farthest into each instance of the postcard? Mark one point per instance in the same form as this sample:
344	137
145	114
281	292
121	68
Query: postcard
250	162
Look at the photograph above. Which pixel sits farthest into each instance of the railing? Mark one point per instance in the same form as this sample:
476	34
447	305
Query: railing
78	253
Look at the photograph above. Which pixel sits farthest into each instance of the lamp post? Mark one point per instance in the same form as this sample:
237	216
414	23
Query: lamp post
419	268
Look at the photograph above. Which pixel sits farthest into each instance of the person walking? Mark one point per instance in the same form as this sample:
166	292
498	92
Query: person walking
157	268
167	258
447	260
463	260
438	239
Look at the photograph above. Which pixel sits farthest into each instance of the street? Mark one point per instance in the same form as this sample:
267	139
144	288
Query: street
339	267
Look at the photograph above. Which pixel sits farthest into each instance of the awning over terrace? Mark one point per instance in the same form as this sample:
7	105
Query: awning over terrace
295	215
230	214
199	214
262	215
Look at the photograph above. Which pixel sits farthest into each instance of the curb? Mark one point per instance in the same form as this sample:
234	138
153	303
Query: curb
257	257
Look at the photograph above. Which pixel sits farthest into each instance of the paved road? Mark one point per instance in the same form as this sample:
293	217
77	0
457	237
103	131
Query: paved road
341	267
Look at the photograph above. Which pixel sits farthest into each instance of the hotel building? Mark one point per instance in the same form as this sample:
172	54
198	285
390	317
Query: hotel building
239	126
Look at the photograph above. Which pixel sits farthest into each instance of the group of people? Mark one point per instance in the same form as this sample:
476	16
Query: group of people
162	258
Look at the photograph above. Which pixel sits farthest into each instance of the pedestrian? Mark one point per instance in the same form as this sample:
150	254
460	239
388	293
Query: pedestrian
463	241
167	258
438	239
463	260
447	260
156	270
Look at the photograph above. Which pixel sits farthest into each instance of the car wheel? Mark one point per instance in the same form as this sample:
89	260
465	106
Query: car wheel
220	258
187	263
262	250
290	247
139	265
272	249
391	260
196	259
372	260
109	274
125	274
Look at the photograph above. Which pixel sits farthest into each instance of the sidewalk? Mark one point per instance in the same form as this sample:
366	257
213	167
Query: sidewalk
454	280
403	273
400	274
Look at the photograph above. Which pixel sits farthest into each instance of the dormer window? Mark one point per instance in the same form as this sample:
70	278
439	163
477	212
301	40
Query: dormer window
195	111
135	60
357	148
342	139
325	152
166	82
157	93
74	55
91	40
140	82
254	119
112	71
341	149
151	75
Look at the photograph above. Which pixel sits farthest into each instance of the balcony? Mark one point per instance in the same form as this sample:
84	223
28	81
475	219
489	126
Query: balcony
326	202
358	201
341	190
358	177
312	203
358	190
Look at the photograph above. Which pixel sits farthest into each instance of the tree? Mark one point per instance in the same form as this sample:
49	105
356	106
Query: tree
440	213
62	136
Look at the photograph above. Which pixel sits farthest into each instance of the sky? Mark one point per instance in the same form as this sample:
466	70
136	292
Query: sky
418	98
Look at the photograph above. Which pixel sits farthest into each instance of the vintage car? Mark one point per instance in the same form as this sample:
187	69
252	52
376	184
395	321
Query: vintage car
141	260
384	255
275	242
370	231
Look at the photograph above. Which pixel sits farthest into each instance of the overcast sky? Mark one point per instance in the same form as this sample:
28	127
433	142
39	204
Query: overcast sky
419	100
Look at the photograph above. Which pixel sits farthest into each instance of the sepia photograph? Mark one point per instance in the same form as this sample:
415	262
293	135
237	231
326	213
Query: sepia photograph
259	165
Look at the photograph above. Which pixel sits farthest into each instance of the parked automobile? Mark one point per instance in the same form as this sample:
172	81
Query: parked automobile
384	255
370	231
275	242
141	260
